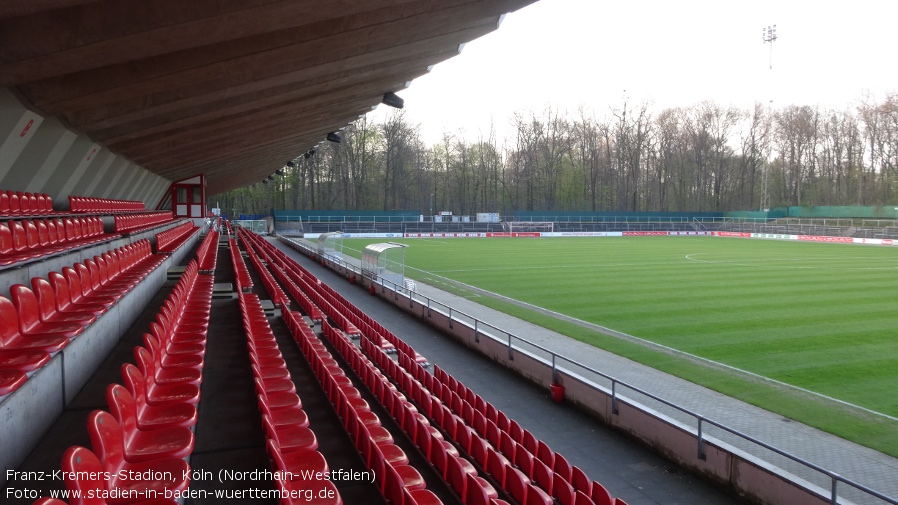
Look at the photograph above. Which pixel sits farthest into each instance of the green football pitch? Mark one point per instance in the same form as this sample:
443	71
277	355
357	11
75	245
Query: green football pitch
821	317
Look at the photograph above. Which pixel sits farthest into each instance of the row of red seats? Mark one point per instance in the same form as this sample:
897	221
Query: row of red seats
399	481
40	321
298	293
455	470
133	223
278	296
27	240
360	421
524	453
292	446
315	306
485	455
207	252
571	479
472	487
170	240
242	279
313	295
103	205
18	203
148	428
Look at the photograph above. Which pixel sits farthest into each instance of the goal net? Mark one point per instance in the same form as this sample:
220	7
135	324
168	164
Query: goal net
529	226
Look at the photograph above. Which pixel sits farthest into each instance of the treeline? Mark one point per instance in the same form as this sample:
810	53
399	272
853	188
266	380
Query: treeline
706	157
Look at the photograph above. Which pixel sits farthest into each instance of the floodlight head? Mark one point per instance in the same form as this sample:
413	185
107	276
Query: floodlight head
290	164
393	100
334	137
279	171
270	178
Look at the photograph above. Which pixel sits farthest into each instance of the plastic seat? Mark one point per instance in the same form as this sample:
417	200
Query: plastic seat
600	495
165	360
28	309
81	292
149	417
11	338
142	444
106	438
393	488
563	491
155	394
544	454
276	400
580	481
23	360
562	467
83	474
48	306
290	438
63	297
581	498
11	380
543	476
149	366
298	462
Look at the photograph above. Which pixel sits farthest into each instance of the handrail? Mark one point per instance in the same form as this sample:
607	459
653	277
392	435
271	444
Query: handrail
478	324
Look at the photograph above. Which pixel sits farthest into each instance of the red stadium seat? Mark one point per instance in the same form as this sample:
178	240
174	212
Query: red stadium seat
63	297
12	338
48	306
600	495
10	380
149	417
106	438
149	366
30	323
83	474
143	444
157	394
290	438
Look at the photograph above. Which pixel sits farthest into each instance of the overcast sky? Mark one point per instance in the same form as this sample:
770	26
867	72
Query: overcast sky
591	53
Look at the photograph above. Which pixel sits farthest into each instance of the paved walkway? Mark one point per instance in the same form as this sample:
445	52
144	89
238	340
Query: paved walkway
863	465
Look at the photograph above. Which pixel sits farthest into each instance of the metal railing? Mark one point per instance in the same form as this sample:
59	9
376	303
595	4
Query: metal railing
826	479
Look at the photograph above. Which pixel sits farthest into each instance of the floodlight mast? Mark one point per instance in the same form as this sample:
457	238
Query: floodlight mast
769	36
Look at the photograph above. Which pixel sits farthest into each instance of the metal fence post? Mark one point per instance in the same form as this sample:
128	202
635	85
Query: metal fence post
701	440
835	494
554	370
476	332
614	397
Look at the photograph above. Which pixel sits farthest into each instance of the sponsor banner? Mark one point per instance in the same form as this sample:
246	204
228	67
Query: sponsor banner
876	241
818	238
664	233
644	233
446	235
373	235
731	234
583	234
774	236
809	238
516	234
